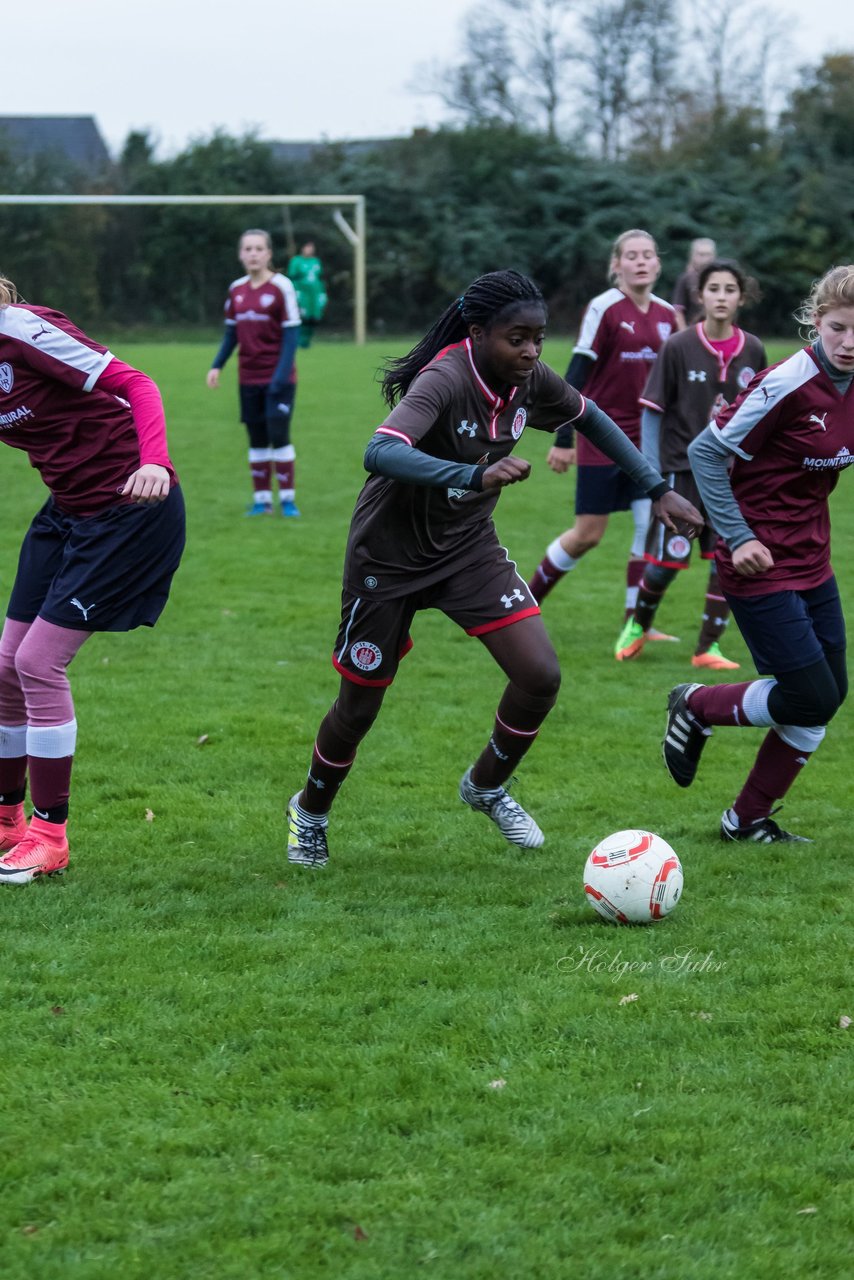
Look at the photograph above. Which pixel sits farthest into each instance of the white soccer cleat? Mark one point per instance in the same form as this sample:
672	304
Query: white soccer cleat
512	821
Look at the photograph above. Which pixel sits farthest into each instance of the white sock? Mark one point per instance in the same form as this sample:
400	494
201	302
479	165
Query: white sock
560	559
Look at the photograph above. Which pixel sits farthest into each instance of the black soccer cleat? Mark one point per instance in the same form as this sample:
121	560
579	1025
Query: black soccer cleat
762	831
684	737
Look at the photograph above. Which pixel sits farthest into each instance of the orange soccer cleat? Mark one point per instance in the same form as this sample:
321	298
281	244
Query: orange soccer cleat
714	660
34	855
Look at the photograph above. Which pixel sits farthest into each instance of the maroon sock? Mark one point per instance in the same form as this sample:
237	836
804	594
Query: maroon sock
776	767
285	477
634	574
50	784
715	616
720	703
13	779
546	576
517	723
647	604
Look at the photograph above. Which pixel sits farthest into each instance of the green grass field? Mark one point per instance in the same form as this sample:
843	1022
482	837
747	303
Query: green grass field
424	1059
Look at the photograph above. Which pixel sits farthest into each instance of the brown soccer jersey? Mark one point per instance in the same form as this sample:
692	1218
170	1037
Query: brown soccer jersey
690	382
405	536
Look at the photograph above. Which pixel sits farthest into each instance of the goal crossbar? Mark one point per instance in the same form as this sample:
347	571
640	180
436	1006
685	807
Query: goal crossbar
355	235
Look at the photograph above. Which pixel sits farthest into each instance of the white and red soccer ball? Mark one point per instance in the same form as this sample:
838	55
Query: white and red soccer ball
633	877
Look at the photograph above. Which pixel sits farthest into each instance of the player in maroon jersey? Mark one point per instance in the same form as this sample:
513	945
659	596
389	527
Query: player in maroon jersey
621	333
766	468
422	537
686	292
698	372
98	556
262	320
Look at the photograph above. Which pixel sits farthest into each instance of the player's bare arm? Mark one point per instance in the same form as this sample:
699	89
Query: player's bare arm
560	460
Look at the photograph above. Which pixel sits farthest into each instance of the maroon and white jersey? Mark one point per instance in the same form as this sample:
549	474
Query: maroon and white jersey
691	381
404	534
624	342
791	433
259	314
81	439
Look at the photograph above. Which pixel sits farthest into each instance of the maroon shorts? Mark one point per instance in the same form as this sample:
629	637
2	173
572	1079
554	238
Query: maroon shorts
673	550
374	633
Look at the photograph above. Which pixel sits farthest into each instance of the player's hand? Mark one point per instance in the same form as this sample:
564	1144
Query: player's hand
752	558
506	471
678	514
212	378
560	459
149	484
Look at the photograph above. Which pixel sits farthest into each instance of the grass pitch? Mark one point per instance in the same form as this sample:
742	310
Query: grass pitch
431	1057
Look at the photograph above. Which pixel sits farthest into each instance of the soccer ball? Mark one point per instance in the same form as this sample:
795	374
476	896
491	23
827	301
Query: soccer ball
633	877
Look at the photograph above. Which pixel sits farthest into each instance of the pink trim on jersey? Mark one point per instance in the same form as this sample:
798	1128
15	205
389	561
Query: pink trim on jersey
724	350
650	404
502	622
390	431
146	406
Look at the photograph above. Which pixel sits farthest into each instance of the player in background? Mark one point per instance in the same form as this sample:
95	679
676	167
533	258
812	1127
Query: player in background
621	334
766	468
422	537
697	374
306	272
262	321
686	292
98	556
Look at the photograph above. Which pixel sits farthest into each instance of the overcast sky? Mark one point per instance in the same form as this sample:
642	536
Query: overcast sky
289	70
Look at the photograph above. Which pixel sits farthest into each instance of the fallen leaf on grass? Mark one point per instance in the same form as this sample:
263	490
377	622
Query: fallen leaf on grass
57	1010
629	999
149	815
202	739
358	1233
29	1230
810	1208
845	1022
497	1084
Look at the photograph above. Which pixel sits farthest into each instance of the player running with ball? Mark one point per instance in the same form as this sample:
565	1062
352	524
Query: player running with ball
422	537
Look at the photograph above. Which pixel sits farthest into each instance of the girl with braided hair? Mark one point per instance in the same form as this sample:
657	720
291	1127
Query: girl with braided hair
422	537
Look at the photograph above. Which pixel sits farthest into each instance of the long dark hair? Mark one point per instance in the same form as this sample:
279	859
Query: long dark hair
483	302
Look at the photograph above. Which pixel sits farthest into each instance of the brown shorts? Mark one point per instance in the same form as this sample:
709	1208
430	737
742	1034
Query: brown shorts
374	633
673	550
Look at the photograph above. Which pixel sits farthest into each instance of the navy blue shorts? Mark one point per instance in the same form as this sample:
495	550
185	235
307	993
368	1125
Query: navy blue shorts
599	491
790	630
107	572
258	406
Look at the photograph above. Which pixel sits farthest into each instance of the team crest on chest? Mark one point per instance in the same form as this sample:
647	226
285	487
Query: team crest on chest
7	377
664	330
745	376
267	299
518	426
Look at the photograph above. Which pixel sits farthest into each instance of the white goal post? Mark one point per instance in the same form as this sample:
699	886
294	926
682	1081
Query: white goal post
355	234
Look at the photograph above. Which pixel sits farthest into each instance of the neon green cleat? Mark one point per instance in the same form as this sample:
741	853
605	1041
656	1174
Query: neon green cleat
632	640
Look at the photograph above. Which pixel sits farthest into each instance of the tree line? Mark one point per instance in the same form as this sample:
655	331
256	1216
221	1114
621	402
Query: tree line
486	191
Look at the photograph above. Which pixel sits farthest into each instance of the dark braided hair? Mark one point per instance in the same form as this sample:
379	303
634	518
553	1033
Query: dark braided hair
484	301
